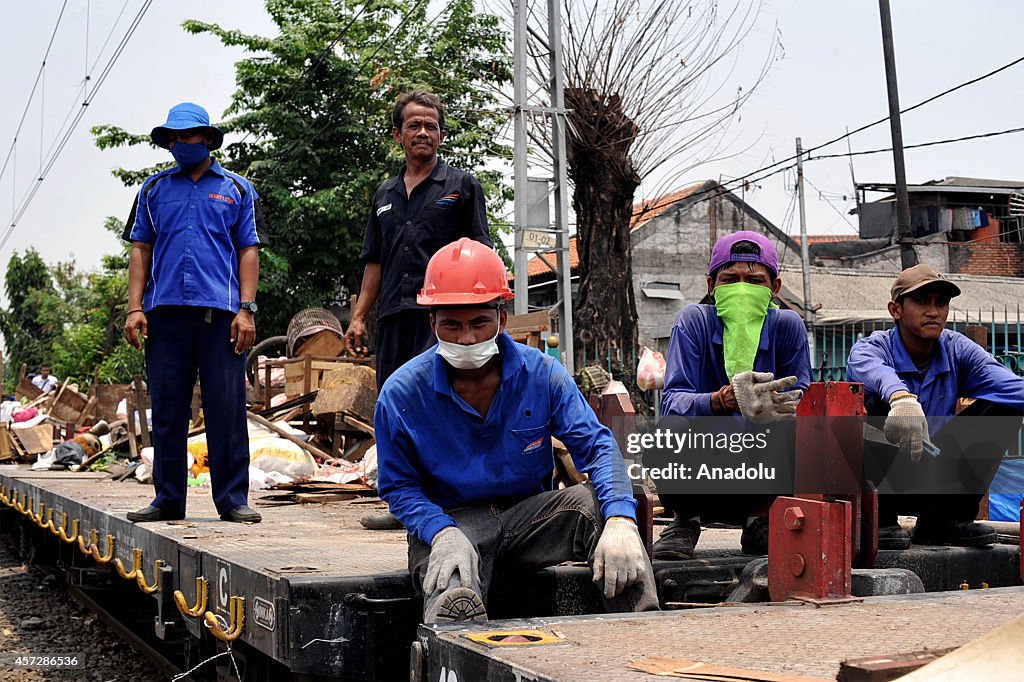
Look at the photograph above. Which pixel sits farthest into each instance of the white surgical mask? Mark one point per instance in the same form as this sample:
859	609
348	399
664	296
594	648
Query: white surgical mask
473	356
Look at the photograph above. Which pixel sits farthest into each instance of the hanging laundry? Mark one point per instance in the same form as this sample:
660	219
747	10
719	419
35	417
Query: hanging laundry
945	219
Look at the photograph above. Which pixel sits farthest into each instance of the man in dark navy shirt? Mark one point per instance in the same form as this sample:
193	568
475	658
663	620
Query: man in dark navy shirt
427	205
195	231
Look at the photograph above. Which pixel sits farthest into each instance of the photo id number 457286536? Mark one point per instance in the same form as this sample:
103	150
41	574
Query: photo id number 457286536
42	661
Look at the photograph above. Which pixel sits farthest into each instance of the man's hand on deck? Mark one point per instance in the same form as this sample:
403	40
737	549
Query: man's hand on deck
450	551
619	557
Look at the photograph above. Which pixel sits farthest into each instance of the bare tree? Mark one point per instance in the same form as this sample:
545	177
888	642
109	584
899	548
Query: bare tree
649	84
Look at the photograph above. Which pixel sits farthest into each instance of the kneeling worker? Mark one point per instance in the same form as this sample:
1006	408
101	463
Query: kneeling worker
739	356
464	448
913	374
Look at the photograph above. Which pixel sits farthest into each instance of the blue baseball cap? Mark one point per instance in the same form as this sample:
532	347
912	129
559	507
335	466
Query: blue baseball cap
186	116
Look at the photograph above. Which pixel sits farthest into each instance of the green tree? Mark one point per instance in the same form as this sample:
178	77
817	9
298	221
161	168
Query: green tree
28	332
313	107
69	318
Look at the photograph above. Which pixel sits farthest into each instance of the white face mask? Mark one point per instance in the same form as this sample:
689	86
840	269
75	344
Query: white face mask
473	356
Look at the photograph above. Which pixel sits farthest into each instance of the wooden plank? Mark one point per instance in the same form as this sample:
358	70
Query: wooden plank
36	439
359	424
26	389
530	322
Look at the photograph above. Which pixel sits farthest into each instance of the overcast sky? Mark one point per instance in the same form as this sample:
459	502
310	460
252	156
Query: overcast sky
831	78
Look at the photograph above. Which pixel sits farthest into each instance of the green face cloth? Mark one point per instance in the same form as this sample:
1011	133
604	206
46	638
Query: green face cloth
742	308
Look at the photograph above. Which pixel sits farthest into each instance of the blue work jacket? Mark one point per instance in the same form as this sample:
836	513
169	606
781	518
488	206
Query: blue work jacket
436	453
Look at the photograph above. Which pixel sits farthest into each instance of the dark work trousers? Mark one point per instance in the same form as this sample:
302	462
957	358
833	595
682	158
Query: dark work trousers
982	430
182	341
543	530
401	336
733	508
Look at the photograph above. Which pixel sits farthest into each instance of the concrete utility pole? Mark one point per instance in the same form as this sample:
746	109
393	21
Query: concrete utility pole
805	248
529	237
901	232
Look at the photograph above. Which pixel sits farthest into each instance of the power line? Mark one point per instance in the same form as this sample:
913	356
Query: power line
27	200
829	202
862	128
920	144
31	94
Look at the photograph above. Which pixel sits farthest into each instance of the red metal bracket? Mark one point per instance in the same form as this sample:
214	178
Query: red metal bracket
809	550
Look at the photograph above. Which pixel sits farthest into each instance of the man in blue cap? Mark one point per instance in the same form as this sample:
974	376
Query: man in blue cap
195	230
738	356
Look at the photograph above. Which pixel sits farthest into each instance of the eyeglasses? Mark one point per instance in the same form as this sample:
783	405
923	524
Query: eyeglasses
414	126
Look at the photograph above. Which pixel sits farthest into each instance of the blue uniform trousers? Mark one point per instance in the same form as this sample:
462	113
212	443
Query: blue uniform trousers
182	341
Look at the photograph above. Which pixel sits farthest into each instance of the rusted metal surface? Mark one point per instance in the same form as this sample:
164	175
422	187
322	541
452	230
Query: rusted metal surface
809	549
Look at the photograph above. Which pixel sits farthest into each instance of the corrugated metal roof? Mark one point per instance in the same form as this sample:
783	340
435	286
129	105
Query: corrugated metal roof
842	295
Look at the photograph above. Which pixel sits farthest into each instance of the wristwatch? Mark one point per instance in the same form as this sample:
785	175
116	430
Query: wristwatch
250	306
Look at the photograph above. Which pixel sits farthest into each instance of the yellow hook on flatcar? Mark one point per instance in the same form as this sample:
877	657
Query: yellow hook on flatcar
62	534
202	595
140	579
136	565
235	627
102	558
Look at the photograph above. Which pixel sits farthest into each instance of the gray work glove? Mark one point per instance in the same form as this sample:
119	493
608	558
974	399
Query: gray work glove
906	425
763	398
620	558
450	551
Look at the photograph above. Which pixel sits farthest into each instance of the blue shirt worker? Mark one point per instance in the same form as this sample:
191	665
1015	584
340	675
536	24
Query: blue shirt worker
195	230
913	375
427	205
723	359
464	449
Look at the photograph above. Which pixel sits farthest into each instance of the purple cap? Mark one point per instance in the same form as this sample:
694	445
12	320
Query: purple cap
721	253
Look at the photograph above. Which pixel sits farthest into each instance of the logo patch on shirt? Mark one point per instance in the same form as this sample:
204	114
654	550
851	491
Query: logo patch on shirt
449	200
534	445
222	198
382	209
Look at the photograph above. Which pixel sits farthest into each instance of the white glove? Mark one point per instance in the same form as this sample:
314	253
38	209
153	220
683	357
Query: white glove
450	550
620	558
761	397
906	425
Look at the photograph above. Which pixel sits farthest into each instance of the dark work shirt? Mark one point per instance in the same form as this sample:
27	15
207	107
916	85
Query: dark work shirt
403	233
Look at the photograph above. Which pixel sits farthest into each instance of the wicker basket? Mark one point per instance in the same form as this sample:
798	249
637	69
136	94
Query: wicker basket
309	322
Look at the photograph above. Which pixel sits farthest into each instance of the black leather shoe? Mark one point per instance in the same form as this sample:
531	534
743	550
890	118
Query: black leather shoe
754	539
382	521
242	514
151	513
677	540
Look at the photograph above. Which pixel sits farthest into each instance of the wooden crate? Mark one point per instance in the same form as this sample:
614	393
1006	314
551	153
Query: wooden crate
529	329
303	375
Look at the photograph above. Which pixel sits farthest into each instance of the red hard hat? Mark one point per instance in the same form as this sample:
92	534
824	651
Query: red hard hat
465	272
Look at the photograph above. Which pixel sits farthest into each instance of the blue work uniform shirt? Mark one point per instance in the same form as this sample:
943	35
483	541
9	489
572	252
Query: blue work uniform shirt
404	232
695	364
436	453
197	230
959	368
